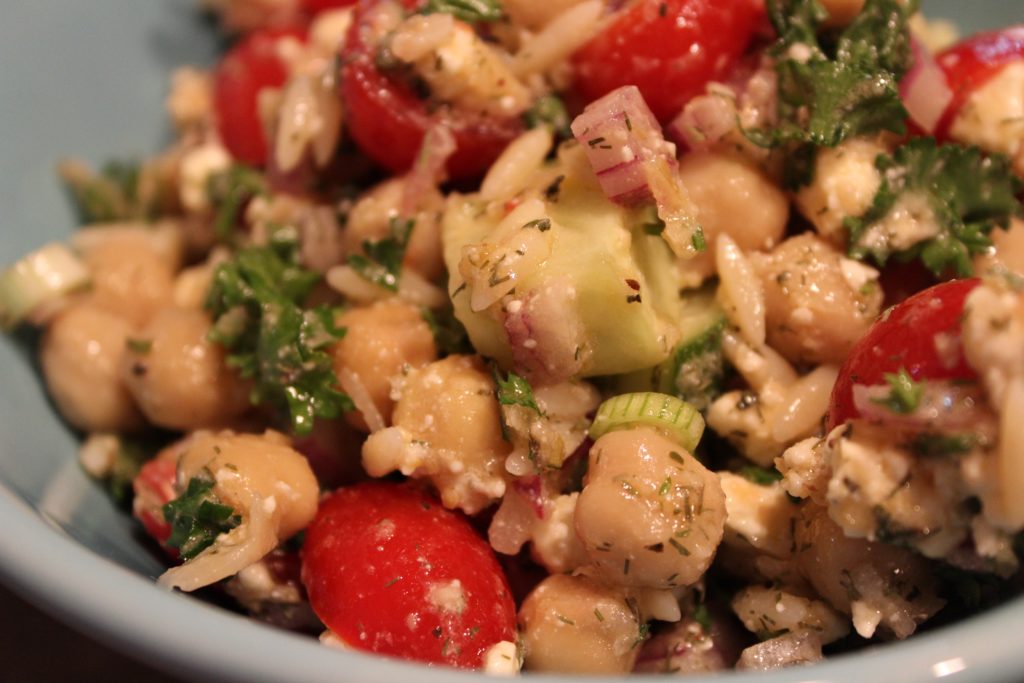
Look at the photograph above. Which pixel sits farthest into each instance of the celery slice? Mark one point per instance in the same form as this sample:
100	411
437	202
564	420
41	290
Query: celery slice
40	278
677	418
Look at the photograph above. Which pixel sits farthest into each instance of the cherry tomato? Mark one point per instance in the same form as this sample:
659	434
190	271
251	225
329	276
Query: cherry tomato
669	49
154	487
388	121
906	337
317	6
389	570
971	63
248	67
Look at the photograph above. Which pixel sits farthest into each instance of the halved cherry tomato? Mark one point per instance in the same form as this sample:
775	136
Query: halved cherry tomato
389	570
248	67
154	488
388	121
317	6
920	335
972	62
670	49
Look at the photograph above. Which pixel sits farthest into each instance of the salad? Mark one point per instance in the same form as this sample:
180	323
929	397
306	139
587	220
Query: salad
668	336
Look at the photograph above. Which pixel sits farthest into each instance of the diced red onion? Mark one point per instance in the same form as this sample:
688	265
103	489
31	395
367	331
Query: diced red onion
428	170
619	133
924	89
633	162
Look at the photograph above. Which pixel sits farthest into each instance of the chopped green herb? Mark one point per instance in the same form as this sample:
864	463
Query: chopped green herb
108	196
139	345
680	548
549	110
698	240
565	620
905	394
762	476
450	336
940	445
467	10
229	191
597	613
382	262
515	391
542	224
256	300
665	486
196	517
831	90
703	617
968	194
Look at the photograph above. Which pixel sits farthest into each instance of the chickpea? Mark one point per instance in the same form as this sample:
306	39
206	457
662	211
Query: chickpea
817	302
81	358
733	197
269	485
382	341
573	624
179	378
649	515
370	218
877	583
447	428
129	277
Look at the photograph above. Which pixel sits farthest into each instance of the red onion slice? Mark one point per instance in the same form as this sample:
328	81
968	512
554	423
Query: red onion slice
634	162
924	89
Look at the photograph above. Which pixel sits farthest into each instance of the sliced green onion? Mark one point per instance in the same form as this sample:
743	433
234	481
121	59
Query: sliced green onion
40	278
677	418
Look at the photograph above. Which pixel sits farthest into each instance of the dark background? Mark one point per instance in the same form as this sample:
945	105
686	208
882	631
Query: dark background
35	647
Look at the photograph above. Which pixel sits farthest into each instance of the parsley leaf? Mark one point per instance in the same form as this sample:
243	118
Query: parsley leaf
382	262
968	194
762	476
108	196
831	88
197	518
549	110
229	192
467	10
255	299
929	444
515	391
905	394
450	336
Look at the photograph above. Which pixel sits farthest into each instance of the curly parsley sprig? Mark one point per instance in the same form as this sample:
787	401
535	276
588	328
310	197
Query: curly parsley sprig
256	303
966	193
197	517
832	87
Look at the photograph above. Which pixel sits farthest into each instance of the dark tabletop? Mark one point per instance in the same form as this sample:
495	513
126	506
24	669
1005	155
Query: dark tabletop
35	647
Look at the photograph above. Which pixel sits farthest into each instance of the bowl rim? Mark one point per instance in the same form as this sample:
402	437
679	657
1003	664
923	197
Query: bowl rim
114	605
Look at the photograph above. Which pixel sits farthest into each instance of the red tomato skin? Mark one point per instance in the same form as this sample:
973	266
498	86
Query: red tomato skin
670	49
972	62
370	560
154	487
314	7
388	122
904	337
248	67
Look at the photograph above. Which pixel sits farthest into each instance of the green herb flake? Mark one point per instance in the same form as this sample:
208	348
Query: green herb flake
141	346
471	11
542	224
598	615
565	620
762	476
515	391
698	240
229	191
381	263
680	548
703	617
834	88
967	193
942	445
550	111
197	518
904	395
255	299
450	335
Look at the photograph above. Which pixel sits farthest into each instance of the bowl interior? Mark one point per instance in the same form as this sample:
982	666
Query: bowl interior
88	80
